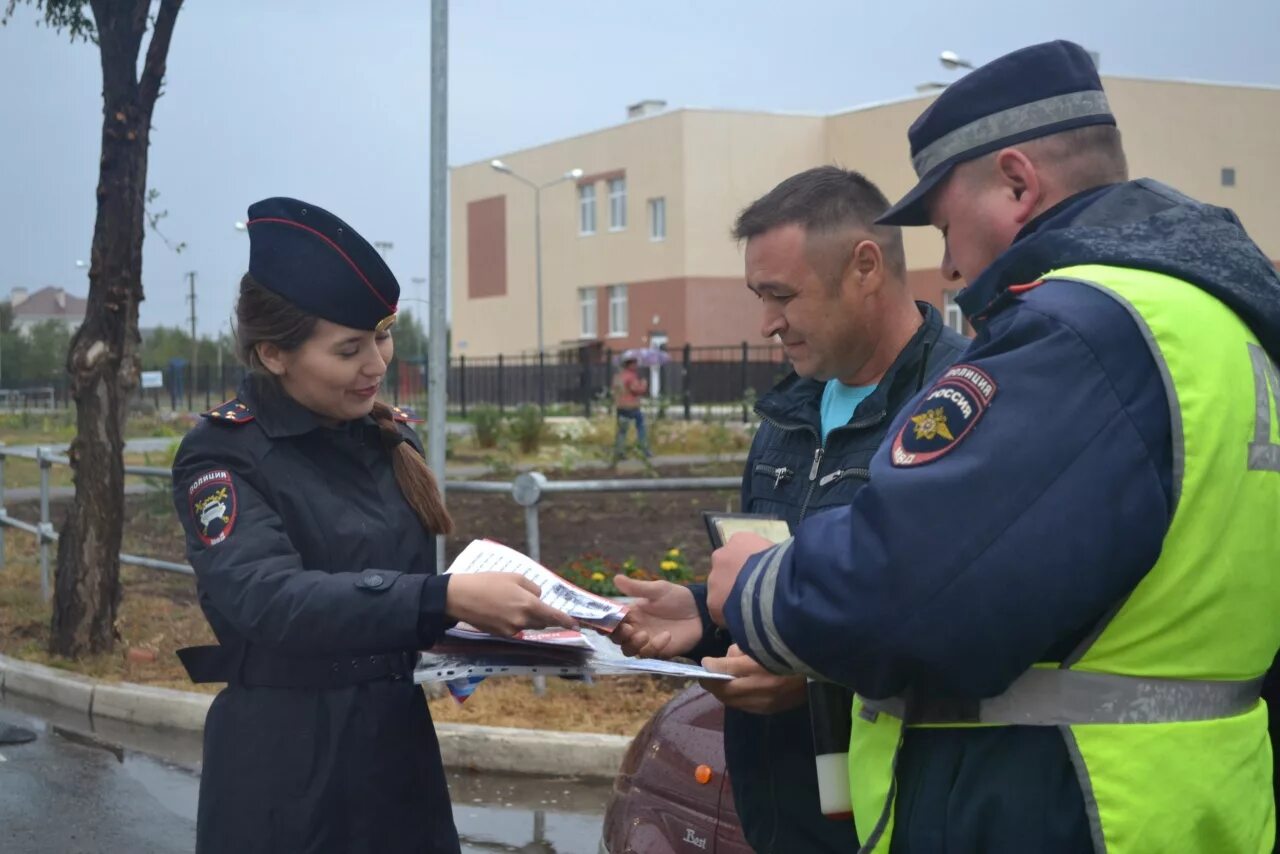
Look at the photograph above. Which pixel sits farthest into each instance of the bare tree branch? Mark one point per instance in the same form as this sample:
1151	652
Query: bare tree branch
157	53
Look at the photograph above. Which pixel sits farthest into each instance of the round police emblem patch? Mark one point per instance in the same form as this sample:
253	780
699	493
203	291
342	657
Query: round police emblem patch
944	416
213	506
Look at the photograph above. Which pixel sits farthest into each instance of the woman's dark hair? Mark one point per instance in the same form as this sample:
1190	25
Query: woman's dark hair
264	317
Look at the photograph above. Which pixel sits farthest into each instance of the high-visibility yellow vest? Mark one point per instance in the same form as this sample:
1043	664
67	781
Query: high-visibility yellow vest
1159	709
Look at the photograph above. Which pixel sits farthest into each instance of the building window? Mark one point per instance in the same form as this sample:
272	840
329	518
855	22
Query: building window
1228	176
657	219
587	209
617	310
952	316
617	204
587	312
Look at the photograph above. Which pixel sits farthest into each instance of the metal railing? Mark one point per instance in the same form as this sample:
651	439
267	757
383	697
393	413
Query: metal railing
527	490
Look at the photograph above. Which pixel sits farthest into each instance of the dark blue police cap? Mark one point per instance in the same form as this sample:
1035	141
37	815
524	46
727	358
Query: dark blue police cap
320	264
1037	91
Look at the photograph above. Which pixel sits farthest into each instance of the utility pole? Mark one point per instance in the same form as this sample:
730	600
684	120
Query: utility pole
195	344
438	360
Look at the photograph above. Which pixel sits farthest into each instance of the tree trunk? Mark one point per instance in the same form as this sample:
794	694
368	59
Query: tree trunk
103	358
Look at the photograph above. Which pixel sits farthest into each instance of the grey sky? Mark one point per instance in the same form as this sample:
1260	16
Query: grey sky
328	100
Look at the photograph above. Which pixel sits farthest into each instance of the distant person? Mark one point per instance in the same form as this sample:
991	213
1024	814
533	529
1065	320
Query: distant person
628	389
311	519
832	287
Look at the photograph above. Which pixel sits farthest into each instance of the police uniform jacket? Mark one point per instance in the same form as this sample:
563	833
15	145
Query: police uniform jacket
791	474
1027	520
320	583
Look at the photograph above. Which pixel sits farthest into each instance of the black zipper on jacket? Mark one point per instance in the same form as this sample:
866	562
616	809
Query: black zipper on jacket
841	474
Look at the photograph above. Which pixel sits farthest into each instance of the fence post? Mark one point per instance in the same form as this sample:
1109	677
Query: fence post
686	363
586	384
500	400
462	383
542	381
42	457
744	382
526	489
3	512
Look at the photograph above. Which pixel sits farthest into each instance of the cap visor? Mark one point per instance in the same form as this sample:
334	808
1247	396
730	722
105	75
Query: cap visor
910	210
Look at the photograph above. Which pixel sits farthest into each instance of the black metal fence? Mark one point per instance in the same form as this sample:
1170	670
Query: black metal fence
695	379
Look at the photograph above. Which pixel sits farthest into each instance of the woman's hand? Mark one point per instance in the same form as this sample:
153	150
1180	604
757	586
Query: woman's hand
501	603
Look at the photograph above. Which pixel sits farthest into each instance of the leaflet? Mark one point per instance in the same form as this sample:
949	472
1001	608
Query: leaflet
585	607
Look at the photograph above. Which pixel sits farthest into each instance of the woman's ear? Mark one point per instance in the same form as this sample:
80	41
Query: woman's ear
272	358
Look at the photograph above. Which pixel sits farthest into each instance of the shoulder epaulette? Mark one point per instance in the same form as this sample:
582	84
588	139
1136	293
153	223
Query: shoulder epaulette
405	415
233	410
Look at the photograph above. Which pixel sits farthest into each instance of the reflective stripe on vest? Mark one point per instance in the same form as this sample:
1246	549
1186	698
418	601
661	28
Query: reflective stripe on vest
1044	697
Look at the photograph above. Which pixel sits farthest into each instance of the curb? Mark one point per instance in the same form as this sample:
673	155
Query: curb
59	687
481	748
531	751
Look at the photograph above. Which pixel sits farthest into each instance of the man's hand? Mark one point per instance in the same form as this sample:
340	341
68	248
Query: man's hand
726	563
753	688
663	621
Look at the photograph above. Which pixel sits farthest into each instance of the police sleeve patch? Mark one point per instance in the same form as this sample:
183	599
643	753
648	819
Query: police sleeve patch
946	414
212	497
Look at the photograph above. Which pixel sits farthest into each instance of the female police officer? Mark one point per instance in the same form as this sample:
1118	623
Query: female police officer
310	516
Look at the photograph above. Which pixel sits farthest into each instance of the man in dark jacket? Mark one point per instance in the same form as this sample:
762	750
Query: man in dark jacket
1073	528
832	288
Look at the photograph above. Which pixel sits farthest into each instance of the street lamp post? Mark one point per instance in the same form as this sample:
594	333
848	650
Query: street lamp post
571	175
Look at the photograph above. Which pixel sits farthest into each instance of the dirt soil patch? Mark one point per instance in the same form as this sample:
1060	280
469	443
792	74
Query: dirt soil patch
159	613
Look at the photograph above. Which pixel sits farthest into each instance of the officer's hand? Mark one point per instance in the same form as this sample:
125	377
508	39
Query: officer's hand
501	603
726	563
753	688
663	621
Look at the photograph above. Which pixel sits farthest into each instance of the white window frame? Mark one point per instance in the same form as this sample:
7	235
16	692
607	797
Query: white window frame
586	209
617	311
658	219
617	204
952	314
588	314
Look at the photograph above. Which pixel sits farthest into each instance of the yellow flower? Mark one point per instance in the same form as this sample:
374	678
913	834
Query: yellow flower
597	576
669	565
673	553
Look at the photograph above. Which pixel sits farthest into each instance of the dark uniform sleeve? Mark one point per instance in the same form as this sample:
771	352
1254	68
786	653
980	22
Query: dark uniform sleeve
983	541
252	575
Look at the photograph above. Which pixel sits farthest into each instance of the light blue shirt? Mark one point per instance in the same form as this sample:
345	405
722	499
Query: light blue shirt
839	402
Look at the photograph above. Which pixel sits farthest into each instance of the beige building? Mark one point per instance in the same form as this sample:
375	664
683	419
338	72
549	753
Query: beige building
636	249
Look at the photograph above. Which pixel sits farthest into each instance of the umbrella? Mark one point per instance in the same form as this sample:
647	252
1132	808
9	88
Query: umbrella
646	356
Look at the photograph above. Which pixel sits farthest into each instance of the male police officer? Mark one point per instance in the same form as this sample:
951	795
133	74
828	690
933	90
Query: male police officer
832	287
1057	595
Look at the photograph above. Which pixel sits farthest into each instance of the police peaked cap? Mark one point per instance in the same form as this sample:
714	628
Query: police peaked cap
1037	91
320	264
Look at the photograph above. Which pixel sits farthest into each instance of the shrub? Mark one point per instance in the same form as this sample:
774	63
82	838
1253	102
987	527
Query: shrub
488	424
527	428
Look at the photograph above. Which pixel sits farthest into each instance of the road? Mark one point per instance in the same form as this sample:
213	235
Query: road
82	788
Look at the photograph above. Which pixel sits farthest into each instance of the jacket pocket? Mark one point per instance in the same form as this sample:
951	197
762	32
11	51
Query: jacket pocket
779	475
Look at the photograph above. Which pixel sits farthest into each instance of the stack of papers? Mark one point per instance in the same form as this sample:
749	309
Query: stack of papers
467	656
